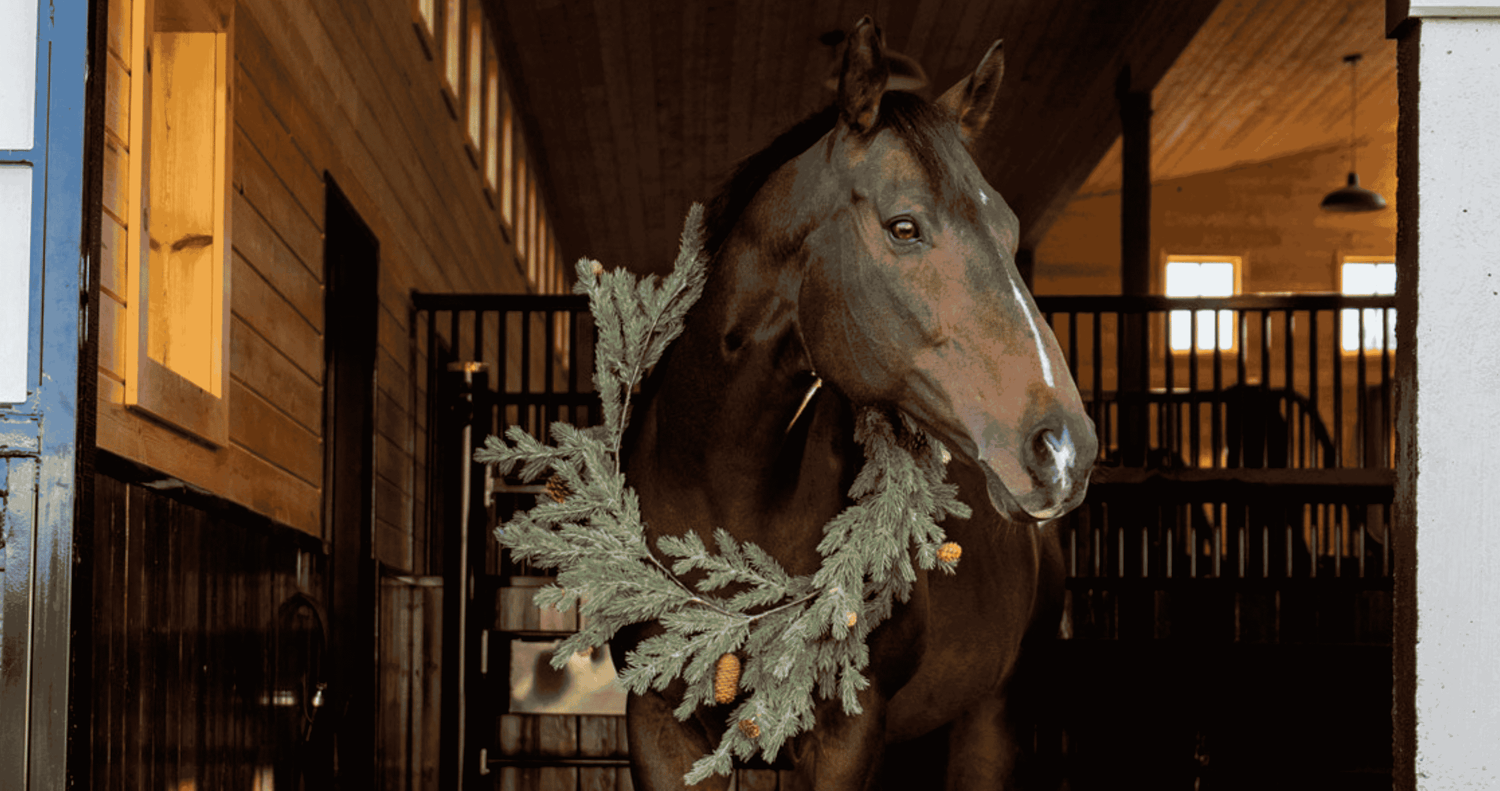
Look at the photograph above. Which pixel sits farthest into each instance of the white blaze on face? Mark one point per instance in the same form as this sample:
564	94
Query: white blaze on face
984	199
1036	334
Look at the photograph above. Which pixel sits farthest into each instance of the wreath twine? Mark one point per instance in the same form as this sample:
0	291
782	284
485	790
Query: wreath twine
788	635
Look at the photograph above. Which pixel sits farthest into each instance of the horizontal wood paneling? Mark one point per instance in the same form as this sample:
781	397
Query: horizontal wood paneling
117	102
257	120
260	365
273	316
343	89
111	336
112	257
257	182
232	472
299	282
116	178
118	36
261	428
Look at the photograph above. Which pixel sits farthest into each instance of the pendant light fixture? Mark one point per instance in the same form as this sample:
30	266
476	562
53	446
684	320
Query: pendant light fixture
1352	197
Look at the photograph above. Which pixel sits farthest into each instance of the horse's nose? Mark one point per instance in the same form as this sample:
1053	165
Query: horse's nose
1058	459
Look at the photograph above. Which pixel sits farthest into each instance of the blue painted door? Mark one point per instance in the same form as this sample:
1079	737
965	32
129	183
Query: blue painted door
45	289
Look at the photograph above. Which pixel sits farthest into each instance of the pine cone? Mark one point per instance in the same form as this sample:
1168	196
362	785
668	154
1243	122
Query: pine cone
950	552
750	729
557	488
851	618
726	678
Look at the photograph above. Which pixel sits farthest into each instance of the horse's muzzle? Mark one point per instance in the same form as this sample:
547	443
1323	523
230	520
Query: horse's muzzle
1057	458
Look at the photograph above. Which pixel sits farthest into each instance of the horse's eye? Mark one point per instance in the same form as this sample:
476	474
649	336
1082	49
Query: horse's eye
903	229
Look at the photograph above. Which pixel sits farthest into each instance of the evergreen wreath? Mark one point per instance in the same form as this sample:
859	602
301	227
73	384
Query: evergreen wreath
779	636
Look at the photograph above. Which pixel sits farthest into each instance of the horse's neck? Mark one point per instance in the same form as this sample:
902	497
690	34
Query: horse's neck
716	446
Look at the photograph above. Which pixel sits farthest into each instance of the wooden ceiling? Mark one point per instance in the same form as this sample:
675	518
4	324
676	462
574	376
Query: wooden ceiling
635	109
639	108
1266	79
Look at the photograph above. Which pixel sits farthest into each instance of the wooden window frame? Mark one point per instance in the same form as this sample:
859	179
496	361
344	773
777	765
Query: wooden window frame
1193	346
151	386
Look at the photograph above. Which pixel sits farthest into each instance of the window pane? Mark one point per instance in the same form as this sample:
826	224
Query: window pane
182	267
1200	279
507	161
452	41
1216	279
426	11
1368	277
1182	279
476	64
491	117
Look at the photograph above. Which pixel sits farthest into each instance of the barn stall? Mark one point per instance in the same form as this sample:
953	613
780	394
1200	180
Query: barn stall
295	539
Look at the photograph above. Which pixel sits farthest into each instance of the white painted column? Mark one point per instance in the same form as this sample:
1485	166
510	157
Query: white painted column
1448	431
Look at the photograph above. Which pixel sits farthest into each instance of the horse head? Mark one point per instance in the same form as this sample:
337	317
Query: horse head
909	294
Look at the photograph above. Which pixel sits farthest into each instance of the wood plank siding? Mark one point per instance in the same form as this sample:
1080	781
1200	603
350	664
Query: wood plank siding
207	647
351	91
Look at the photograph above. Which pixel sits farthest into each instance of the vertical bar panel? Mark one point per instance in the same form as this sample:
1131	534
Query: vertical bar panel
1098	364
1265	379
1289	355
1361	404
551	388
1312	379
1338	390
1196	418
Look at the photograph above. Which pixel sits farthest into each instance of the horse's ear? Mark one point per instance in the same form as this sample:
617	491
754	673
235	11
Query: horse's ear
971	99
864	78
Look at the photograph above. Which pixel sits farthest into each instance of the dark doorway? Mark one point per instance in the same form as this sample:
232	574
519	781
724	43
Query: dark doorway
351	256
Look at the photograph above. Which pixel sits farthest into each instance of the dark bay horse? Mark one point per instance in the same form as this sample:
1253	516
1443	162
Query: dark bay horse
864	248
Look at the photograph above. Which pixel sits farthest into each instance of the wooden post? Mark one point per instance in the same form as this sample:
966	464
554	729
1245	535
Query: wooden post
1135	264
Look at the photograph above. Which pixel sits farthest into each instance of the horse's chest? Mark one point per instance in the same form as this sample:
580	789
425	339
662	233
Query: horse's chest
973	625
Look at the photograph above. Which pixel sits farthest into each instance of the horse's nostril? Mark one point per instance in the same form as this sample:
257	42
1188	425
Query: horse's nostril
1052	455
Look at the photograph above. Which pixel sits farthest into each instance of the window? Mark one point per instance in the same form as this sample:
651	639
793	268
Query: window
507	161
1198	276
518	222
474	90
491	116
452	44
176	321
532	263
1366	275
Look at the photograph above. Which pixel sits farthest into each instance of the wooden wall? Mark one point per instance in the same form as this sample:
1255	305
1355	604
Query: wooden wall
1265	212
197	658
346	89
